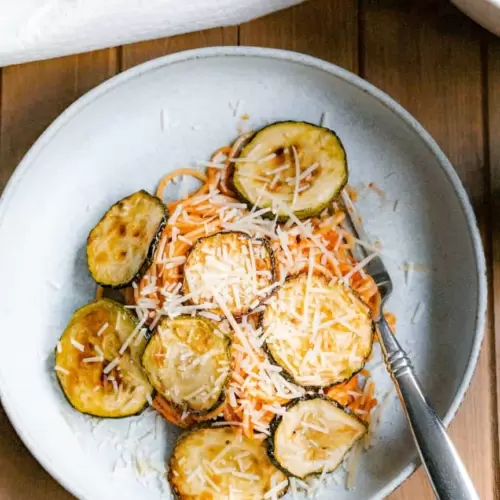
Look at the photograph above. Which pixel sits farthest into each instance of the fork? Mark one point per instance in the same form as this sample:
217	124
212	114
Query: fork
446	472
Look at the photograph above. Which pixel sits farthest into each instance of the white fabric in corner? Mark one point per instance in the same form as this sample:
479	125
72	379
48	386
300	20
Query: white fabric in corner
40	29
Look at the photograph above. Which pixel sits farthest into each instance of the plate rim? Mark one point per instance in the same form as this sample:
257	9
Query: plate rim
76	107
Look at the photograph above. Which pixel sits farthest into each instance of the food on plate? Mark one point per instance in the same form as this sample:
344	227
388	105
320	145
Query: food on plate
246	319
219	462
122	244
98	361
291	164
320	332
182	417
313	435
187	361
229	270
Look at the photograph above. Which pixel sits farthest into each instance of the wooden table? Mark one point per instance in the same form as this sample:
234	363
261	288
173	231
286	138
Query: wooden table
424	53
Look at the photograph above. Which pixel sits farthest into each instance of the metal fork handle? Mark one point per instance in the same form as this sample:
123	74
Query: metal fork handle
446	472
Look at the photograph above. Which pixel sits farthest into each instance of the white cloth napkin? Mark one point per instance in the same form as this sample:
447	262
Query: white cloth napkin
40	29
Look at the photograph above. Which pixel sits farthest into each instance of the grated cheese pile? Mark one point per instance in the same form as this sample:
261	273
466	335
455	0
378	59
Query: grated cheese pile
318	344
320	246
238	268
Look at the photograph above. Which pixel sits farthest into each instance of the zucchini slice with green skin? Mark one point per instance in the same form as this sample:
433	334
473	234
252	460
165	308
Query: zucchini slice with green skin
188	361
121	246
181	417
296	165
98	362
320	333
313	436
230	267
219	462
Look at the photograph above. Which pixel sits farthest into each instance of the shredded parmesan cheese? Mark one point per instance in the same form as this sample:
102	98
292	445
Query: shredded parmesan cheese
273	492
77	344
110	366
103	329
297	177
417	315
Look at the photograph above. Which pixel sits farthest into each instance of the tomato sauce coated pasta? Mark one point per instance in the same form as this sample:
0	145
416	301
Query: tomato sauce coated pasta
215	207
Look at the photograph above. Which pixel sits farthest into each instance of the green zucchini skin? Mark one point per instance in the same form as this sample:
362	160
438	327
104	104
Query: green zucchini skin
301	214
287	376
325	387
273	427
222	396
148	260
191	420
185	434
149	257
129	317
68	400
217	404
173	480
206	239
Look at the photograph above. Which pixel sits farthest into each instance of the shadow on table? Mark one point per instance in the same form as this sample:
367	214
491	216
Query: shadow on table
21	476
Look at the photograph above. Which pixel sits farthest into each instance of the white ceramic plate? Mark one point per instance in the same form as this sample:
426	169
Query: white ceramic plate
169	112
484	12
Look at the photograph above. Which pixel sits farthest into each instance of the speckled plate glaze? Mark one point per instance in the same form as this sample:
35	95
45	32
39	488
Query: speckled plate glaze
170	112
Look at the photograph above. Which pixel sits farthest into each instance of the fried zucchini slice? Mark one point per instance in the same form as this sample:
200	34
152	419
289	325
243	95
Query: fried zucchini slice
291	167
320	333
181	417
231	267
121	246
98	361
219	462
313	436
187	361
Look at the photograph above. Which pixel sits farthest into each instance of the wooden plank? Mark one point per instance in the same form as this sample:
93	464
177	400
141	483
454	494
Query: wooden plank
429	59
323	28
32	95
21	476
493	115
134	54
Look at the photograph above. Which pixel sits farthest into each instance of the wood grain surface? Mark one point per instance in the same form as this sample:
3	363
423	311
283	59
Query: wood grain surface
438	64
492	122
439	80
